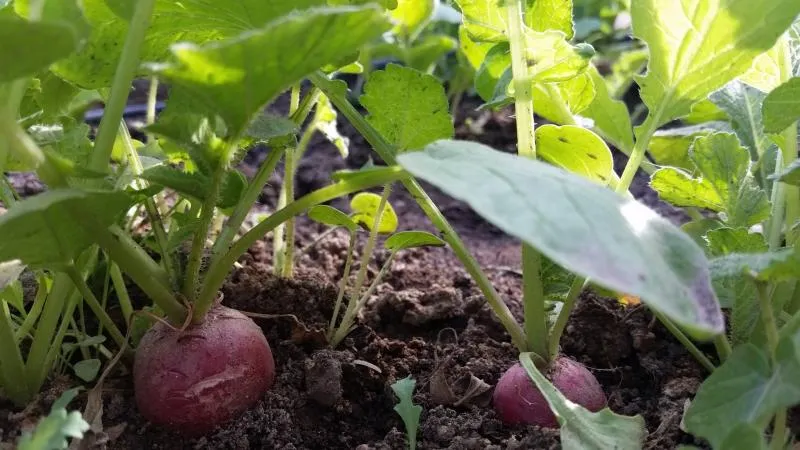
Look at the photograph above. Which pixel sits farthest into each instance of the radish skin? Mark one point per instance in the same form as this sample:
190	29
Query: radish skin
517	400
195	380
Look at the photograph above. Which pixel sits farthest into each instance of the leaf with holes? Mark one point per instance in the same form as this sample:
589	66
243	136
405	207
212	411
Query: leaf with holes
577	150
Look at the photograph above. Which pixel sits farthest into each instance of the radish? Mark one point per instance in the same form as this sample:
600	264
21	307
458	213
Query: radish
194	380
517	399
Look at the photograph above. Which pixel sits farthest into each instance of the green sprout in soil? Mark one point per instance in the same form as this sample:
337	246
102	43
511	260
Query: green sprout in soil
408	411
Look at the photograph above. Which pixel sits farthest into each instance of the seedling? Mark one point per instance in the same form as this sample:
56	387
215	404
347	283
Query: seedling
374	213
408	411
54	430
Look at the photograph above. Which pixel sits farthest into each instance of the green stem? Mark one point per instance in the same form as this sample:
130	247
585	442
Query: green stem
637	155
342	285
96	307
683	339
563	315
121	85
779	430
721	344
191	279
12	365
218	271
34	313
387	153
54	351
789	153
288	186
152	99
533	302
249	199
122	292
366	254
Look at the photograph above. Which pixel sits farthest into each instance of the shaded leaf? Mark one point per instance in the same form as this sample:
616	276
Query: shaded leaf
746	437
266	127
576	94
428	50
611	118
779	265
670	147
624	246
577	150
365	209
329	215
404	240
196	185
782	106
10	272
582	429
408	107
87	369
45	43
791	173
742	103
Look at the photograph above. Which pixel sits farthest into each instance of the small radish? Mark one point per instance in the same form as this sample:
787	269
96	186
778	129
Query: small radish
518	400
193	380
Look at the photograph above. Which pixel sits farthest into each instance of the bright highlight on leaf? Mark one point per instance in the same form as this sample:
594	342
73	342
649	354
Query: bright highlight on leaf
365	208
782	106
577	150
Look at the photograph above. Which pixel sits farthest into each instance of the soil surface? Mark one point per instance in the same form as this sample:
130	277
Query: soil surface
427	320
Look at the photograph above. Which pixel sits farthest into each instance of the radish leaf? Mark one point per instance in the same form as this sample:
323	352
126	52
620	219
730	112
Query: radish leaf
782	106
791	174
610	116
617	242
577	150
329	215
670	147
365	208
408	411
45	43
412	239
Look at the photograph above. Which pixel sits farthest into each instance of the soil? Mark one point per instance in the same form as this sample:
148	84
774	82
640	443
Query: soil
427	320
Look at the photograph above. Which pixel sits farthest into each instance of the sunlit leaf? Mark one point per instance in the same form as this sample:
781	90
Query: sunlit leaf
782	106
365	209
577	150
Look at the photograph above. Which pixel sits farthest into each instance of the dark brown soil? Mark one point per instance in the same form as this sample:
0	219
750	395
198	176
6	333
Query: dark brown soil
426	320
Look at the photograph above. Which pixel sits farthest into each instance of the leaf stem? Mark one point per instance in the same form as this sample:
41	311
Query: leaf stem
563	316
216	274
121	85
683	339
12	366
637	155
122	291
283	238
721	344
789	152
342	286
96	307
339	98
191	280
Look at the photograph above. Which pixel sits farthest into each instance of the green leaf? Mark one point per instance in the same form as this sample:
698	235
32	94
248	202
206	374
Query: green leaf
71	143
746	437
412	239
50	228
329	215
45	43
745	391
325	119
611	118
266	127
429	49
365	208
582	429
546	15
551	58
726	183
228	79
697	46
742	103
87	369
475	52
576	94
723	241
410	16
617	242
408	411
52	432
705	111
577	150
409	108
495	63
670	147
483	20
779	265
791	173
697	229
765	73
782	106
196	185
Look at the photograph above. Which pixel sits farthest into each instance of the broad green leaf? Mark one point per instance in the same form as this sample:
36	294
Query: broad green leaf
670	147
408	411
62	12
791	174
617	242
545	15
725	185
475	52
551	58
44	44
704	111
329	215
745	437
576	94
779	265
577	150
782	106
484	20
745	391
196	185
697	46
742	103
582	429
411	239
428	50
87	369
49	228
723	241
228	79
408	107
325	120
410	16
697	229
266	127
495	63
765	73
71	143
611	118
365	209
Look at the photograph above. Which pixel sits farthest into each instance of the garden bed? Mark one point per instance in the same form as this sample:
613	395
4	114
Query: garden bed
428	320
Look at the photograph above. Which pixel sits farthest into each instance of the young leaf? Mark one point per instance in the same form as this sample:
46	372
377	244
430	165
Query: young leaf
582	429
610	116
670	147
625	246
52	432
329	215
411	239
551	58
782	106
577	150
87	369
227	80
705	111
779	265
726	183
484	20
724	241
49	228
410	16
495	63
45	43
266	127
427	50
745	391
545	15
688	59
365	208
408	411
743	103
325	119
196	184
576	94
408	107
791	174
765	73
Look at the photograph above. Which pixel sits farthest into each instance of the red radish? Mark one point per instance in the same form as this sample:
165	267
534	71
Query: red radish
518	400
194	380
